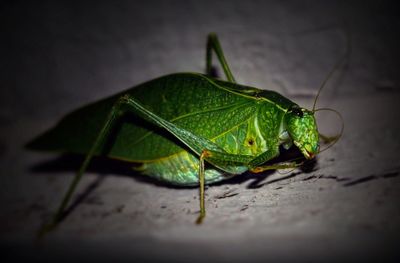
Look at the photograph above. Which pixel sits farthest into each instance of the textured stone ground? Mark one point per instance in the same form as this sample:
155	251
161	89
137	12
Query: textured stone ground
61	56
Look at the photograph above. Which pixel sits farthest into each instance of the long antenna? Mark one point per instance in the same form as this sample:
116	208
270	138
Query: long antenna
337	137
335	67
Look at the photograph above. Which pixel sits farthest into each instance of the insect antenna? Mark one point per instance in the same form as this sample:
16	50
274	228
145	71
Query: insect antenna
335	138
345	56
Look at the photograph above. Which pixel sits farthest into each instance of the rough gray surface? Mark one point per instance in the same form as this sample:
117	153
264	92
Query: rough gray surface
58	56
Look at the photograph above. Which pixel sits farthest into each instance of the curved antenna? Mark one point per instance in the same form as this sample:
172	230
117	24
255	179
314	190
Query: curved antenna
335	67
337	137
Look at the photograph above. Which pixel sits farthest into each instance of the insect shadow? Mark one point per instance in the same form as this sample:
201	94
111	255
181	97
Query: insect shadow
104	166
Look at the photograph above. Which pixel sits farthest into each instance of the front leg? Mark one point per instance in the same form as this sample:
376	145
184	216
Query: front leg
256	165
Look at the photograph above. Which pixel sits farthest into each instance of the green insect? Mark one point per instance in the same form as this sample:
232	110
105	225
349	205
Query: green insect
186	129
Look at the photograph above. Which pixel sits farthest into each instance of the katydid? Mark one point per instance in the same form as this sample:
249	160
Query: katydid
186	129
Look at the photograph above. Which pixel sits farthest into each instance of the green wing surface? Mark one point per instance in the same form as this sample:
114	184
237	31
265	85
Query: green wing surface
200	104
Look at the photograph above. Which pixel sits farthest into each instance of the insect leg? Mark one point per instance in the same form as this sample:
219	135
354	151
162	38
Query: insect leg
196	143
99	139
255	166
228	159
262	158
213	44
278	166
202	183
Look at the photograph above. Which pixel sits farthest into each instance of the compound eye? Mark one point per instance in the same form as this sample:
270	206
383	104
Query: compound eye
298	112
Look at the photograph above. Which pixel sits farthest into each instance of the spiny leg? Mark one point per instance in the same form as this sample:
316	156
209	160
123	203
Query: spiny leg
213	44
99	139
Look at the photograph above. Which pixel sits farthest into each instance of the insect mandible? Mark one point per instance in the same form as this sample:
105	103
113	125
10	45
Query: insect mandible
187	129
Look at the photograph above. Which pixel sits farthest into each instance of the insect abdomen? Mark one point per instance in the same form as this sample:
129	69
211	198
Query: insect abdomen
180	169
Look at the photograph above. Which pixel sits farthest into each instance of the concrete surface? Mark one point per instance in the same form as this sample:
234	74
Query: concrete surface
58	56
